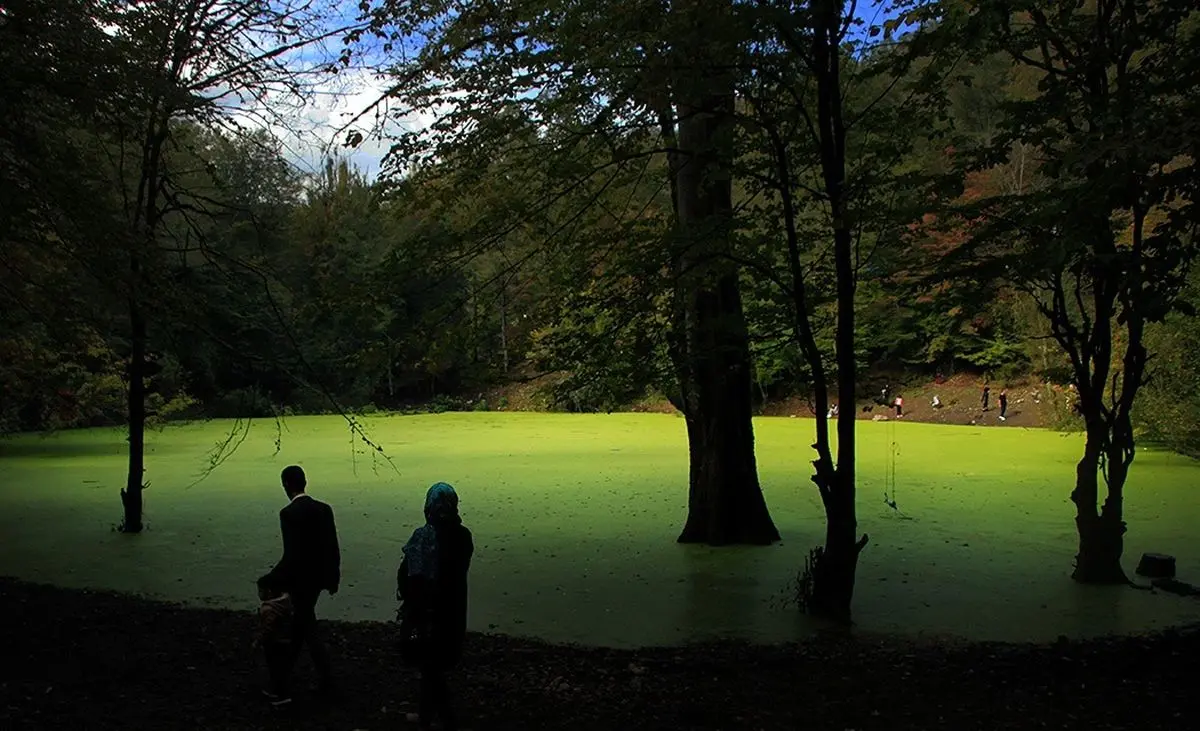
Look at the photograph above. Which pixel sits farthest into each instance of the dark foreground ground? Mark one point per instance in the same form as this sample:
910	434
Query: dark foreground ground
87	660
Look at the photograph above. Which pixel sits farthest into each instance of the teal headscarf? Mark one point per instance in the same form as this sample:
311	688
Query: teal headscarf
441	507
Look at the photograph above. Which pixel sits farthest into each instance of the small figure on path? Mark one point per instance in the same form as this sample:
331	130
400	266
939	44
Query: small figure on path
937	402
884	393
833	412
1003	405
311	563
431	583
983	400
899	407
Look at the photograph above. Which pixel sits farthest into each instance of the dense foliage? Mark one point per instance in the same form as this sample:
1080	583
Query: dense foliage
326	284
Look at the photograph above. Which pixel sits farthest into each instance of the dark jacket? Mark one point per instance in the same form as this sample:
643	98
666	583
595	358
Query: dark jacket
439	606
311	556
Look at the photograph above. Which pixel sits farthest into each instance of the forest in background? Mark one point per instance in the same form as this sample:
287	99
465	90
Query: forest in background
274	290
282	291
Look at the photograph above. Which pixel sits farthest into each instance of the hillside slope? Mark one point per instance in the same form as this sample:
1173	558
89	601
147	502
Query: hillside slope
1030	404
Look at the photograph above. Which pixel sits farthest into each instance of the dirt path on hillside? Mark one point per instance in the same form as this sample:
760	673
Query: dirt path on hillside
960	404
1030	403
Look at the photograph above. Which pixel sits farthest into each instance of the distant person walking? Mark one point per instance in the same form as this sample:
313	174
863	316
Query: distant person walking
431	583
1003	404
937	402
983	400
311	563
899	407
884	394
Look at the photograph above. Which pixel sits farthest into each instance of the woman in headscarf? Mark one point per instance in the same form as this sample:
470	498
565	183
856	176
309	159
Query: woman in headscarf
432	586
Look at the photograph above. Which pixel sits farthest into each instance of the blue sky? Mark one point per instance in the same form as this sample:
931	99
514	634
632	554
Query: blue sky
308	131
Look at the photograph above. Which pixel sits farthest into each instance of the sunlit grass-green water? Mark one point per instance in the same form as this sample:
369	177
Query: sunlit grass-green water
575	519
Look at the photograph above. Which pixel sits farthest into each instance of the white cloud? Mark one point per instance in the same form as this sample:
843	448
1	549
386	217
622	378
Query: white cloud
352	100
315	128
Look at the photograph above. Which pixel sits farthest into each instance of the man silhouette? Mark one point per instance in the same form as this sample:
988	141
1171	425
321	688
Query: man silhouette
311	563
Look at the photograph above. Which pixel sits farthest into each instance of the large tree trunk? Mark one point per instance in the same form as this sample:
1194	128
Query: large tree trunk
1101	532
131	496
725	501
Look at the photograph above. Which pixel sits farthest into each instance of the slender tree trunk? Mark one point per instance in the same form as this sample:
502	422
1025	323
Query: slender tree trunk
474	328
144	226
833	585
1101	532
834	571
174	45
391	350
131	496
504	330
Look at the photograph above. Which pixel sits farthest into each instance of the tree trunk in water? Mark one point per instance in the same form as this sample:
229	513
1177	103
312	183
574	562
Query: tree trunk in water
1101	533
131	496
833	577
836	563
834	571
725	501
